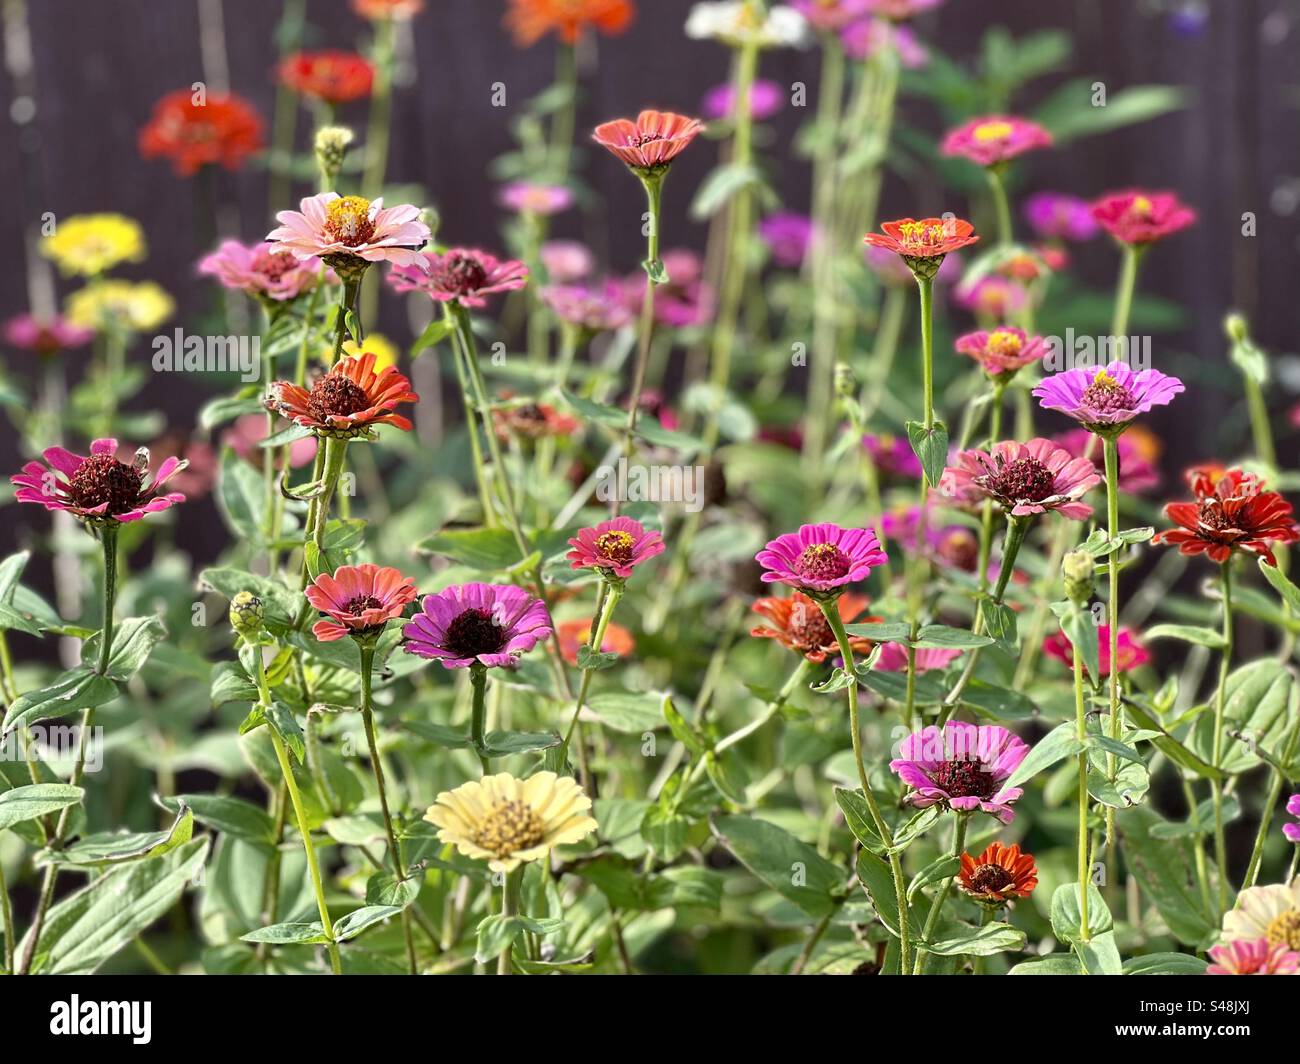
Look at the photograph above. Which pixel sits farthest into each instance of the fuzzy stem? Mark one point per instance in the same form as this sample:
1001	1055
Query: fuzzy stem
1220	703
1081	733
932	921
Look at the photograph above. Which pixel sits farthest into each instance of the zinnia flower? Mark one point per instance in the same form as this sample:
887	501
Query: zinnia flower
1139	451
526	197
346	402
330	75
923	244
86	245
344	229
650	144
1292	831
1056	216
964	767
530	20
387	9
821	558
992	297
594	307
798	624
265	271
765	99
615	547
901	9
507	821
995	139
831	15
45	336
1138	217
1271	913
533	421
1003	351
866	37
1253	957
1132	654
737	23
892	456
221	129
98	488
893	658
464	275
999	874
1231	512
119	305
1023	478
246	432
484	624
1105	400
787	236
573	635
358	600
566	261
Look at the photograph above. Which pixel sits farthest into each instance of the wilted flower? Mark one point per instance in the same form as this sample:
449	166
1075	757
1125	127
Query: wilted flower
997	875
1057	216
98	488
650	144
1003	351
264	271
821	558
1105	400
358	600
463	275
343	229
1231	512
330	75
46	336
526	197
1023	478
193	133
1138	217
923	244
530	20
798	624
963	767
485	624
765	99
88	244
136	306
533	421
615	547
1256	956
346	402
995	139
1132	654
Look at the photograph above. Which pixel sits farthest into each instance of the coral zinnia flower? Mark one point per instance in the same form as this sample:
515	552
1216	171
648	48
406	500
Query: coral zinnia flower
798	623
893	658
1140	217
1292	831
463	275
1023	478
98	488
222	129
1255	956
821	558
652	142
341	229
923	244
1139	450
265	271
358	599
1003	351
330	75
487	624
45	336
901	9
595	308
1105	400
120	305
994	139
530	20
1232	512
574	635
1271	913
86	245
508	821
347	401
999	874
534	421
964	767
615	547
1132	654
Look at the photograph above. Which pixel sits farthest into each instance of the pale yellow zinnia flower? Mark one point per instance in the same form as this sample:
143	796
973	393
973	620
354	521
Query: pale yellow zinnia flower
88	244
385	351
1271	912
508	821
120	305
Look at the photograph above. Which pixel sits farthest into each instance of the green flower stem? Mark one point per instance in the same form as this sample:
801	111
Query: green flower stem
925	288
612	594
1261	429
565	119
1220	703
1132	256
268	453
459	359
1081	733
7	918
986	519
381	110
1270	804
832	615
1110	450
347	303
108	541
936	909
1295	861
509	907
885	349
478	714
1001	205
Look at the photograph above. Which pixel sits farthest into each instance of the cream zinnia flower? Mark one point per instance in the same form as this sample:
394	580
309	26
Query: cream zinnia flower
1271	912
509	821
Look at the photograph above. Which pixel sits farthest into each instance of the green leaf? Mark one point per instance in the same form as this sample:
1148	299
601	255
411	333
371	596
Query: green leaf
1282	585
1053	964
505	743
721	186
877	880
1259	698
227	408
497	933
231	816
290	934
790	867
359	919
966	940
1058	744
1188	633
283	722
279	602
1165	964
940	635
883	631
1001	703
682	730
1099	955
111	848
35	801
595	661
1082	632
1068	113
488	549
629	712
385	889
936	871
242	498
11	569
1142	716
930	448
1067	916
434	333
1165	870
133	641
230	683
75	690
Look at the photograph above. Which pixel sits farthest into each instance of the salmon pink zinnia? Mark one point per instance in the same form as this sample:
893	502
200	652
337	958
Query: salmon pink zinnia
485	624
1105	400
650	144
98	488
798	624
1023	479
344	229
1003	351
1256	956
462	275
821	560
615	547
923	244
963	767
264	270
358	600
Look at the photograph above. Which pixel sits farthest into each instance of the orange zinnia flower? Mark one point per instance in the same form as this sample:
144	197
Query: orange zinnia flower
998	874
530	20
575	634
193	133
346	401
798	623
923	244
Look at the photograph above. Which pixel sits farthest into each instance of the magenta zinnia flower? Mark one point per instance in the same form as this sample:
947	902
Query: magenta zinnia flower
358	599
343	228
1255	956
1023	478
995	139
594	307
1003	351
964	767
765	99
98	488
485	624
266	271
1056	216
652	142
788	236
892	456
463	275
1105	400
1292	831
46	336
615	546
821	558
1141	217
1132	654
893	658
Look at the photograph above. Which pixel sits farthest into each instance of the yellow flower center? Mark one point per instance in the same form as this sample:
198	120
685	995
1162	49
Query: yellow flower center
1142	206
510	826
1285	929
1003	342
1105	381
987	131
615	546
347	220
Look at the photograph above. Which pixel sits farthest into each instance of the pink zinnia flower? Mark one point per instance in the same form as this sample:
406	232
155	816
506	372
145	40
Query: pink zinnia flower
788	236
832	15
246	432
685	300
342	229
1023	478
1139	450
901	9
463	275
765	99
525	197
616	546
964	767
1255	956
596	308
652	142
1105	400
98	488
566	261
1292	831
866	37
892	455
821	558
1003	351
1140	217
995	139
358	600
992	296
45	336
485	624
265	270
1056	216
893	658
1132	654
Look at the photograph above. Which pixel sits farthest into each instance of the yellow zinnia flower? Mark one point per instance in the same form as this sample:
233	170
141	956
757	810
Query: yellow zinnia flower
88	244
385	351
509	821
120	305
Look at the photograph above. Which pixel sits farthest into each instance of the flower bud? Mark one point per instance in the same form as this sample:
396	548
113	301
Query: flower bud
1078	568
1236	328
845	383
247	613
331	148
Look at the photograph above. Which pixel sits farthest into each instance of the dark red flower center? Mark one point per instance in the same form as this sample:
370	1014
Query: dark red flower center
335	394
808	628
638	139
347	221
965	778
1023	479
460	274
273	264
615	547
823	561
101	479
990	879
474	632
357	606
1106	395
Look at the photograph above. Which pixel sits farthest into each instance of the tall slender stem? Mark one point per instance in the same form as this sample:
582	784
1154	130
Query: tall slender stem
1001	205
478	714
1124	298
1220	704
936	909
1081	733
611	597
1110	449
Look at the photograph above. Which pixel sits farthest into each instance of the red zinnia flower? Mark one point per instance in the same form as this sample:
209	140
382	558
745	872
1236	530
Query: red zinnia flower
650	143
923	244
333	76
98	488
994	139
1139	217
615	546
998	874
1232	511
358	599
575	634
1132	654
530	20
222	129
533	420
798	624
346	401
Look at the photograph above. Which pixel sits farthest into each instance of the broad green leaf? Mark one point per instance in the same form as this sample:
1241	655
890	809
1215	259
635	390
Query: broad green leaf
1067	916
231	816
75	690
133	641
1165	870
1188	633
35	801
790	867
965	940
1061	742
110	848
930	448
359	919
288	934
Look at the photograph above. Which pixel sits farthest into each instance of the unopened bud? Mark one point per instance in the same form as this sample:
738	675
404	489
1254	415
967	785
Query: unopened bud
1236	328
845	383
247	613
1078	568
331	149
